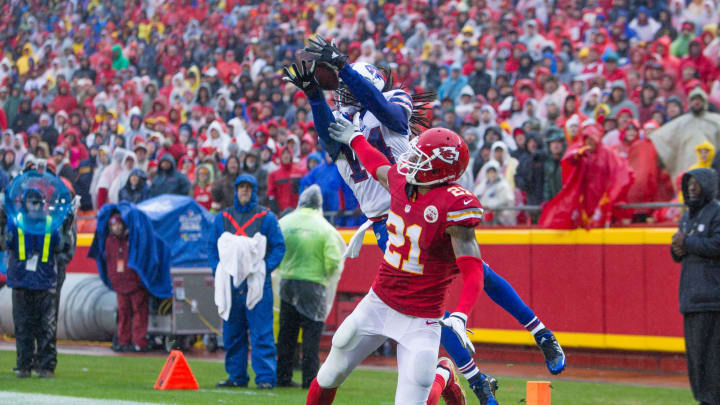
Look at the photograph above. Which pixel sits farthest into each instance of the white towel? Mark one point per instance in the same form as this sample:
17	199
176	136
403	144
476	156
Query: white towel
242	258
353	249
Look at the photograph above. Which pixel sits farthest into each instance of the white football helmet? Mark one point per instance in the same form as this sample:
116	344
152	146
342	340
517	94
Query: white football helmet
346	102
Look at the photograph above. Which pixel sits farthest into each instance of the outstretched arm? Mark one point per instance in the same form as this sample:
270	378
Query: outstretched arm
304	79
467	257
391	114
394	114
373	160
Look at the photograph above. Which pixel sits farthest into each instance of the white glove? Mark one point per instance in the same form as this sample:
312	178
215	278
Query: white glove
343	130
456	322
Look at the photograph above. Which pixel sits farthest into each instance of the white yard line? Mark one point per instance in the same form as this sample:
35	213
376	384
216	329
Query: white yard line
21	398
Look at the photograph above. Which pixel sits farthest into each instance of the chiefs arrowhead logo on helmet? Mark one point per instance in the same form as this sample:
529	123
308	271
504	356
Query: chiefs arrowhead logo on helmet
436	156
448	154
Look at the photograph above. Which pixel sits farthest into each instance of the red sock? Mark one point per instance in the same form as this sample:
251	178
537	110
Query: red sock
318	395
437	389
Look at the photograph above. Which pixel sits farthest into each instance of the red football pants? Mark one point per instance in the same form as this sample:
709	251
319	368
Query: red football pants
133	311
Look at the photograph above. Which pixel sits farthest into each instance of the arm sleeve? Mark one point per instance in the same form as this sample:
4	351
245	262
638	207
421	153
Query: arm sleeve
323	117
371	158
705	246
471	269
393	115
275	242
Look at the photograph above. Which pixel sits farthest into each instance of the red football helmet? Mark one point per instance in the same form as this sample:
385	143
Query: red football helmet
438	155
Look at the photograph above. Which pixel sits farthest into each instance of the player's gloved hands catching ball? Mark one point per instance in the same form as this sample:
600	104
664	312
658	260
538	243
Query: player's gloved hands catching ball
343	130
304	78
326	52
456	322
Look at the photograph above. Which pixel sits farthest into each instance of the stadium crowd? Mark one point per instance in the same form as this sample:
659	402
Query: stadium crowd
603	102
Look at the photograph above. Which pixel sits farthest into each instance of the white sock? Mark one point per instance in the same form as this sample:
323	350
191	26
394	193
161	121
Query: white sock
469	370
537	329
444	373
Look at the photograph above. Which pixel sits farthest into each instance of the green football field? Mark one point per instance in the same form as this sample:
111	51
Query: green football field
127	378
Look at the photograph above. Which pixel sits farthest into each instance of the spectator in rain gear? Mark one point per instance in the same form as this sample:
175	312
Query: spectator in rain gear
552	170
136	189
312	257
641	157
284	183
119	61
132	296
168	179
251	165
495	192
675	141
254	326
595	179
223	187
697	246
203	184
529	175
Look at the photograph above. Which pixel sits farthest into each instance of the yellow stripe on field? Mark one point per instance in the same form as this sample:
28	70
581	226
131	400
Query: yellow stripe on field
584	340
611	236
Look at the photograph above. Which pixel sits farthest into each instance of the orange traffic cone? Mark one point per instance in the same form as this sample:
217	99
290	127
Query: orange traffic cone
538	393
176	374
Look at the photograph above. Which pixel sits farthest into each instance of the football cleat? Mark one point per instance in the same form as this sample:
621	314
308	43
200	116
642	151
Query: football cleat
554	355
484	387
453	393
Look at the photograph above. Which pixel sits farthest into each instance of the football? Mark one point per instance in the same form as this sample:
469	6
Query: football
326	76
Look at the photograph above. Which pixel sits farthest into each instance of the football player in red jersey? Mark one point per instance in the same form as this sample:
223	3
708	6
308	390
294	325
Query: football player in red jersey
431	238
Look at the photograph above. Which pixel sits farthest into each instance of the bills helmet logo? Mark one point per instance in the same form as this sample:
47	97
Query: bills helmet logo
448	154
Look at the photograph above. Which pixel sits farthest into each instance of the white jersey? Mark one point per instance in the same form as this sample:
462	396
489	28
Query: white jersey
374	200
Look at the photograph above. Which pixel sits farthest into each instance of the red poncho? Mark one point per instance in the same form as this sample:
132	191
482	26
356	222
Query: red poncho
641	156
593	183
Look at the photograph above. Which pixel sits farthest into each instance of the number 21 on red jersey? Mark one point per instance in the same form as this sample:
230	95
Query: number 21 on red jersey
398	237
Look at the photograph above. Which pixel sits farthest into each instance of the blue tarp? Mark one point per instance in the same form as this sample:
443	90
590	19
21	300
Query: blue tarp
184	225
147	253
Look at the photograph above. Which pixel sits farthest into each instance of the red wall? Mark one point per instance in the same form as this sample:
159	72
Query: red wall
606	289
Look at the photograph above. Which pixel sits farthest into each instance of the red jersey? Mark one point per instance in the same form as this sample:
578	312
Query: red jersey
419	261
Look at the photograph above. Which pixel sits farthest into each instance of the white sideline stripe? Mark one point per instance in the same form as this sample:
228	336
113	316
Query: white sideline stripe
23	398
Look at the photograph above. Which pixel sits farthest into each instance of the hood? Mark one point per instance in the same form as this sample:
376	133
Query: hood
553	134
296	144
501	145
491	110
697	91
709	146
491	164
665	41
619	84
170	159
246	178
577	104
117	48
708	181
217	126
207	167
258	163
316	157
595	132
633	123
141	174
